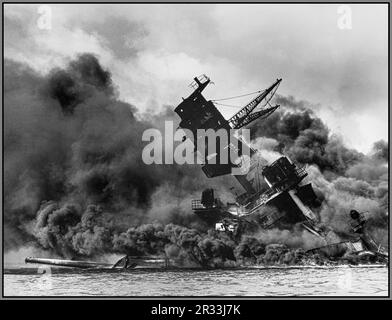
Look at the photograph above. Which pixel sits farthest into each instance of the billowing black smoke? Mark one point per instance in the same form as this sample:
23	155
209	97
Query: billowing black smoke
305	138
75	183
343	178
69	140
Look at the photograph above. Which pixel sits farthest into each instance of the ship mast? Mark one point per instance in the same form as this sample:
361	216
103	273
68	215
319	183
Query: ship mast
198	113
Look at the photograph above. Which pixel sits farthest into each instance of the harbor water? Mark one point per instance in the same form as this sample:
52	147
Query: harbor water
279	281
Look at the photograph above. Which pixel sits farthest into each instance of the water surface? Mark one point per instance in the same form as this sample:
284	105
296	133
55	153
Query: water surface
310	281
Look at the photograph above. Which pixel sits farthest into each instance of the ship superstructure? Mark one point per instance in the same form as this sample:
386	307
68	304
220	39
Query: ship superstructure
286	192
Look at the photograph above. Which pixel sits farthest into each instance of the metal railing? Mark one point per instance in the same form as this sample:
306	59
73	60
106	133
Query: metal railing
196	204
262	199
300	172
202	78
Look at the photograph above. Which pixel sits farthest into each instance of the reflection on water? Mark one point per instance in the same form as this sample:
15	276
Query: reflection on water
326	281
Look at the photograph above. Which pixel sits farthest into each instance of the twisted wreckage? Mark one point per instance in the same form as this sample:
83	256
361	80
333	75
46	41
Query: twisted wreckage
286	191
293	199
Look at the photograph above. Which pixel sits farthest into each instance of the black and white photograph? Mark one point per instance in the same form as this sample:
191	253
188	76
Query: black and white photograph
195	150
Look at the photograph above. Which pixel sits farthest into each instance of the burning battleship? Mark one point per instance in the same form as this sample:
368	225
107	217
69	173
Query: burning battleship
280	185
293	199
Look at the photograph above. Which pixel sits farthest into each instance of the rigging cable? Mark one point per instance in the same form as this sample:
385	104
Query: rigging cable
242	95
227	105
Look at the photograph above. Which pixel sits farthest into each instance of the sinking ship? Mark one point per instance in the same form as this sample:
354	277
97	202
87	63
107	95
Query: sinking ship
284	179
293	200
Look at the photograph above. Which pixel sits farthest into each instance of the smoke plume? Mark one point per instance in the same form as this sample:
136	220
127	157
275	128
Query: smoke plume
75	184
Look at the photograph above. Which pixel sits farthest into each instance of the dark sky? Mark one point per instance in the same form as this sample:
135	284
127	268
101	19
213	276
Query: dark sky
154	51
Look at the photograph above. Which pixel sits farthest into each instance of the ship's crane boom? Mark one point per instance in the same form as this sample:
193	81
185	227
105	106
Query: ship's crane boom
256	115
245	115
